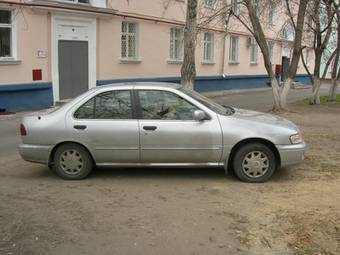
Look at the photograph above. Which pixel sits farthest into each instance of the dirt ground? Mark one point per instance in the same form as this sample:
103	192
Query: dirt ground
180	211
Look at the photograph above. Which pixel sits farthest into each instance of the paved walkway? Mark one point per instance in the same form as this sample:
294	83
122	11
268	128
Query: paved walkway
259	99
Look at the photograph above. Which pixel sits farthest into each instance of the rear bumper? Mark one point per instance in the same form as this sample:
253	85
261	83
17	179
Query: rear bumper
35	153
291	154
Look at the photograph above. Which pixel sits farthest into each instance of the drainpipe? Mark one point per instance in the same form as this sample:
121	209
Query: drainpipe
226	17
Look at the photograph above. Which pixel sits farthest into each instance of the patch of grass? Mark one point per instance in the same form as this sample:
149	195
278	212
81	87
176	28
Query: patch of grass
323	100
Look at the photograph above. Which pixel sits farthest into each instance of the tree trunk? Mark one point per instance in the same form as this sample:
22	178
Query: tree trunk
188	70
336	70
284	93
276	94
333	89
280	94
315	98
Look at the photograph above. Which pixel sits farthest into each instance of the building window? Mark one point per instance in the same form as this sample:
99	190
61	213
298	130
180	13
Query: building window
288	32
271	51
236	7
209	3
271	13
176	44
256	7
233	51
208	55
75	1
6	32
253	51
129	40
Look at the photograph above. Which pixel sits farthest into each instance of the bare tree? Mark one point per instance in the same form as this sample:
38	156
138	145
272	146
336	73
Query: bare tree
321	13
253	24
188	70
336	67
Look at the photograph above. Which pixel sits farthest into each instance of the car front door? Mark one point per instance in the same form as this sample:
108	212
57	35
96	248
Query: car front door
170	135
107	124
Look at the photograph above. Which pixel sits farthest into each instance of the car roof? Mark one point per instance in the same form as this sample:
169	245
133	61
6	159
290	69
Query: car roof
142	84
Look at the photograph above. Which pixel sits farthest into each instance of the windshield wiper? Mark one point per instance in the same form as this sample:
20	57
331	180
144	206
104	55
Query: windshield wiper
230	110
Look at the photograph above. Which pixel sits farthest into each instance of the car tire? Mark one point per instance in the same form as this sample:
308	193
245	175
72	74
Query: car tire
254	162
72	162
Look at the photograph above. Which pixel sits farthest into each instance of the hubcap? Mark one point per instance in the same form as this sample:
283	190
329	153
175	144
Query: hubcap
255	164
71	162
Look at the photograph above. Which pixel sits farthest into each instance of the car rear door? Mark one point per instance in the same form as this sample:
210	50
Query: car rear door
170	135
106	123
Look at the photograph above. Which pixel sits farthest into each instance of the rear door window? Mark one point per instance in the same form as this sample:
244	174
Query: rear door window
116	104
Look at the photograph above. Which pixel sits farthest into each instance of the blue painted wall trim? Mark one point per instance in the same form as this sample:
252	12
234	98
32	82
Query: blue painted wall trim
27	96
213	83
35	96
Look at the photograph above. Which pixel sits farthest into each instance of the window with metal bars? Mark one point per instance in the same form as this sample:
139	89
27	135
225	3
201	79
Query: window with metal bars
76	1
208	54
176	44
6	28
236	7
253	51
233	51
256	7
210	3
129	40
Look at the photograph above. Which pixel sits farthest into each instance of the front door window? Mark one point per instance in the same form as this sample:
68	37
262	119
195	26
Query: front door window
165	105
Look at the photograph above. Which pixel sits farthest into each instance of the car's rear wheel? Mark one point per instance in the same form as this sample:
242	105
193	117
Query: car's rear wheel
72	162
254	162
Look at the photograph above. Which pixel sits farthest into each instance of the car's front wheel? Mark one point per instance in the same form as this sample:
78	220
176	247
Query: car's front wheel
72	162
254	162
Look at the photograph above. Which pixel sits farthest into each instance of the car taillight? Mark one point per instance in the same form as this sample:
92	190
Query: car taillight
22	130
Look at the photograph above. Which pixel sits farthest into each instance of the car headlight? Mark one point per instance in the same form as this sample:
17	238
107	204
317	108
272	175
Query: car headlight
297	138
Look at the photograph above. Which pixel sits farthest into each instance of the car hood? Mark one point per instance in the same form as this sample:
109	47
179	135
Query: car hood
265	118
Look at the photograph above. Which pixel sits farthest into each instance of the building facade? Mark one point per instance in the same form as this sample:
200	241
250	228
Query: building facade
54	50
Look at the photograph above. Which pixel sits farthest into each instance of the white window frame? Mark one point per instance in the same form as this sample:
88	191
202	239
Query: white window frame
236	7
12	26
94	3
128	34
254	50
208	40
234	41
176	42
210	4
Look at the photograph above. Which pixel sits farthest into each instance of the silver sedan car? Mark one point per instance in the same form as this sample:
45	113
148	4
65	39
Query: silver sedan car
158	124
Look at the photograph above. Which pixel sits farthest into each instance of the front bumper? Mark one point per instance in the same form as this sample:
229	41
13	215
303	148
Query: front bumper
291	154
35	153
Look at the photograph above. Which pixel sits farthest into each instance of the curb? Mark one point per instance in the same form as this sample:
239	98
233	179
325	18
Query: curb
222	93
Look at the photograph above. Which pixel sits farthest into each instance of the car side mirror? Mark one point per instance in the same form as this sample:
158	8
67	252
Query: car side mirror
199	115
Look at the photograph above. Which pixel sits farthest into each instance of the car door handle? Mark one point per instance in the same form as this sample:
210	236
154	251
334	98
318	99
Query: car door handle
150	128
80	127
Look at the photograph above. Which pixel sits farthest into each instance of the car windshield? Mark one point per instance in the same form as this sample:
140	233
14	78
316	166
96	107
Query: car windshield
224	110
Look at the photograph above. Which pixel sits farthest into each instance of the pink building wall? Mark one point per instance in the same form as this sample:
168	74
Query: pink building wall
33	29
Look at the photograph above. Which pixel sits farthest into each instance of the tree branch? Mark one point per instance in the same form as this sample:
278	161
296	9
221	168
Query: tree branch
305	65
328	64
